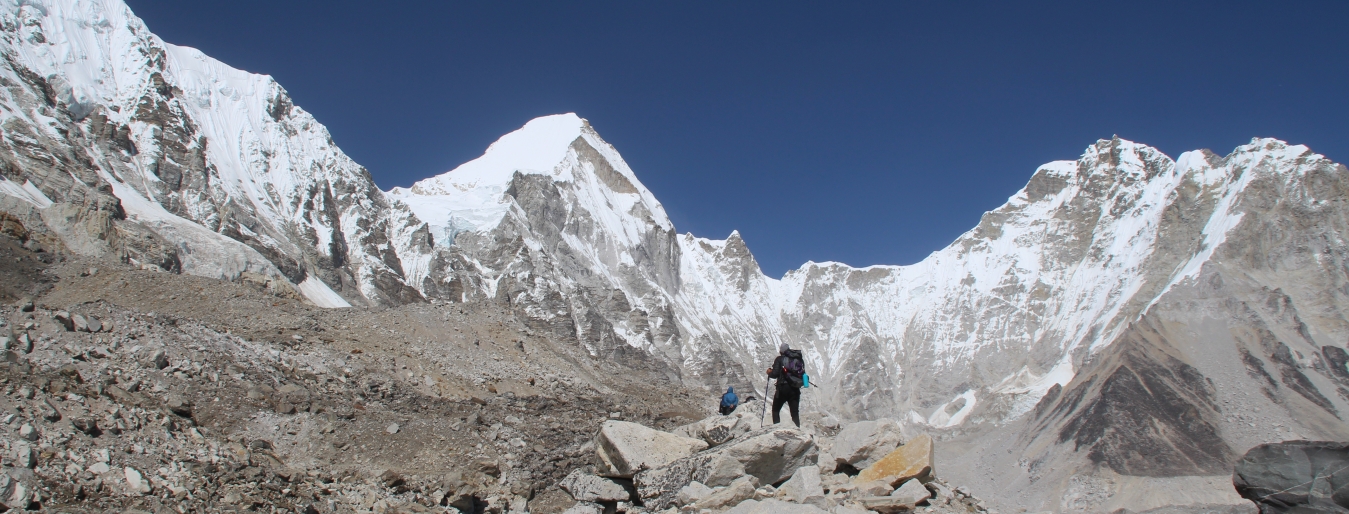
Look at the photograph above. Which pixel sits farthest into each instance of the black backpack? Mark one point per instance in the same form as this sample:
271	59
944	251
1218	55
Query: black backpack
793	368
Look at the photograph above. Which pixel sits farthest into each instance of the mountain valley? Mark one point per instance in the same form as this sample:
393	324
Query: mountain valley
1115	336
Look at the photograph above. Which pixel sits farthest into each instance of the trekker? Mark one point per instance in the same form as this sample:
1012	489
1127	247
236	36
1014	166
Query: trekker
789	369
729	401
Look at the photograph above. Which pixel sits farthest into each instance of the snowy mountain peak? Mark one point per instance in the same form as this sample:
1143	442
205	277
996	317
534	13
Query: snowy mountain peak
564	148
537	147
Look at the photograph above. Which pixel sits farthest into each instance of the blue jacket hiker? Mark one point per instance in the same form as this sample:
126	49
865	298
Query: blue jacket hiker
729	401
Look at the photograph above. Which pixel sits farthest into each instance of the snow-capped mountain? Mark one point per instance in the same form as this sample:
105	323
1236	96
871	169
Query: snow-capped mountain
116	143
218	173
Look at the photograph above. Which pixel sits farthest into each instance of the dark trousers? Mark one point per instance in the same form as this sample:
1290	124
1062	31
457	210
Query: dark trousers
790	396
727	409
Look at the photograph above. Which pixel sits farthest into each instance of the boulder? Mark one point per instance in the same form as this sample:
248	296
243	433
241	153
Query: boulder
765	492
773	506
868	489
25	456
625	448
1295	476
392	479
691	493
722	470
158	360
863	443
718	430
63	317
770	454
913	460
86	425
179	405
835	482
803	487
136	483
827	463
19	497
911	493
740	490
659	487
585	487
48	411
773	454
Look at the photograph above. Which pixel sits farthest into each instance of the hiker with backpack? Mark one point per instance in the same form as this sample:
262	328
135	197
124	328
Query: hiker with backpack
729	401
789	369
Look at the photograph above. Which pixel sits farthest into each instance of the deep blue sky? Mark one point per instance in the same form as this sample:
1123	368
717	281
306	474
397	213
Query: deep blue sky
867	132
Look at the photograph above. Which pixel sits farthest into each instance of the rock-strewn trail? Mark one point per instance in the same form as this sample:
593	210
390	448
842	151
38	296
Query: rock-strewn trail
734	464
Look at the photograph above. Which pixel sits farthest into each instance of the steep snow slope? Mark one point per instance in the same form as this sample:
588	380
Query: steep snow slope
989	324
185	142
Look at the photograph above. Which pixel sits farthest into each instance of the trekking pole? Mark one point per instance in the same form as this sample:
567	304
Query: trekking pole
767	382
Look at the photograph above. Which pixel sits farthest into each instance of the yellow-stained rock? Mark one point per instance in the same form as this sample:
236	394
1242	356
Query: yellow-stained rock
913	460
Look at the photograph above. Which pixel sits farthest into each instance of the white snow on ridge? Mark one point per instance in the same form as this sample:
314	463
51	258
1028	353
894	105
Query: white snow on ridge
97	52
1259	157
26	192
473	195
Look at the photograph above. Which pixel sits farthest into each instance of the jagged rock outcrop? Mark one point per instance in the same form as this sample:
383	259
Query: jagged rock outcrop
625	449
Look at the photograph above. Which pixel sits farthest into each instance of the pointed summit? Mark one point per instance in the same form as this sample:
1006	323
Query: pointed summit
536	147
562	147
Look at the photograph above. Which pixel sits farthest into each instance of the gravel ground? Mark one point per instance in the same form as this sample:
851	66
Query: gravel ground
173	393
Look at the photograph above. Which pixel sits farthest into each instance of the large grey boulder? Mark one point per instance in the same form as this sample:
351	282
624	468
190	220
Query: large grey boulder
721	470
625	448
803	487
911	493
867	489
774	453
770	455
863	443
1295	476
585	487
693	492
740	490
